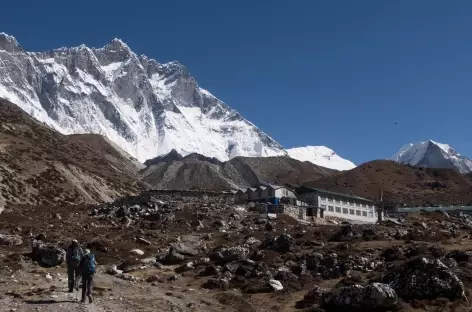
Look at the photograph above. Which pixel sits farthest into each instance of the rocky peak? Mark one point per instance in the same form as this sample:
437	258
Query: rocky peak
9	44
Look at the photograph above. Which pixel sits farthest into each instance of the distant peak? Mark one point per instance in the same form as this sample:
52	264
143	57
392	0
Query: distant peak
118	43
9	43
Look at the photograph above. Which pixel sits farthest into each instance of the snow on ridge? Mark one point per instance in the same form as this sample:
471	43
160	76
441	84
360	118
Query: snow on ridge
145	108
445	155
321	156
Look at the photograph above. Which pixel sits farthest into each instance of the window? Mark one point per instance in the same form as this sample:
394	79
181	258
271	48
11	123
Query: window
338	201
344	202
323	206
338	209
358	212
371	214
364	213
351	211
357	204
330	200
345	210
330	208
322	198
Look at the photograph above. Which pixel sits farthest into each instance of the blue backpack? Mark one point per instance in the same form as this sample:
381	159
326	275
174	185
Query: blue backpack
89	264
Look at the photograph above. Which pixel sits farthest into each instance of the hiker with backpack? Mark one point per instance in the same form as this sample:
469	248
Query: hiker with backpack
87	270
73	257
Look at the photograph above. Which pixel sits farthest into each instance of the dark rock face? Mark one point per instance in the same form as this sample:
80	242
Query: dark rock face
373	297
425	279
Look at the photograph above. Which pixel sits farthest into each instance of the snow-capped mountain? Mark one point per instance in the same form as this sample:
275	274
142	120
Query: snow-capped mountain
432	154
145	107
321	156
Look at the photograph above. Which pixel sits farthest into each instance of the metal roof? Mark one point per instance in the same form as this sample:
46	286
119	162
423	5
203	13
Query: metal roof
312	189
447	208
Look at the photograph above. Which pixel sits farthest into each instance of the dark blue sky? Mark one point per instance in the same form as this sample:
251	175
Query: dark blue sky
334	73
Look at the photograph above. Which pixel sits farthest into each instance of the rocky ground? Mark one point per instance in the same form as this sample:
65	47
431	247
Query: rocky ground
159	253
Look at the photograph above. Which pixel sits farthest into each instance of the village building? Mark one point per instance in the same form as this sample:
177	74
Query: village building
339	205
273	194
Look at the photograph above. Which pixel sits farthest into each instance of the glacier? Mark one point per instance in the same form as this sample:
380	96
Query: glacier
431	154
321	156
146	108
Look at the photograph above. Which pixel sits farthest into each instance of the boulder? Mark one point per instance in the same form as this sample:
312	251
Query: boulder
41	237
252	241
185	267
314	296
10	240
345	233
283	243
173	257
114	271
47	255
421	278
373	297
286	277
137	252
275	284
216	283
392	254
225	254
460	256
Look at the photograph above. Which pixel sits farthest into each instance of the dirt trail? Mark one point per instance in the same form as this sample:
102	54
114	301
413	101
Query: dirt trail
31	291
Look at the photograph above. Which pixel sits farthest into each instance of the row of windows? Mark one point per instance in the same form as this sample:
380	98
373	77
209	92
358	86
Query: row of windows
330	200
348	211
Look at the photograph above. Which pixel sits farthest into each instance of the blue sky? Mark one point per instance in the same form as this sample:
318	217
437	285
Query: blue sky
334	73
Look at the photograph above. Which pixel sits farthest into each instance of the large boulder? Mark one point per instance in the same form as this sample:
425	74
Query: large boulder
10	240
373	297
460	256
48	255
283	243
225	254
173	257
421	278
345	233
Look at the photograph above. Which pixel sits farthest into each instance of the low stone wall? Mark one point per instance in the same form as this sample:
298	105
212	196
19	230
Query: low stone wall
295	212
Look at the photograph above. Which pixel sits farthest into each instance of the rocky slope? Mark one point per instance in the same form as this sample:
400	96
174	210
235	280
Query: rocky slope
199	172
156	252
401	183
321	156
145	107
430	154
38	165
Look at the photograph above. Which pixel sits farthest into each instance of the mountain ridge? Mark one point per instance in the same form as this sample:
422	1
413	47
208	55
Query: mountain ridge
145	107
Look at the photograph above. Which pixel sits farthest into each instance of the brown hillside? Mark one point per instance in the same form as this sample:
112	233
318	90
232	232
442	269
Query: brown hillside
400	183
200	172
41	166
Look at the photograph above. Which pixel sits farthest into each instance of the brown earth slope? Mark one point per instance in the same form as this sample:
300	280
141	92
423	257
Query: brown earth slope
400	183
199	172
41	166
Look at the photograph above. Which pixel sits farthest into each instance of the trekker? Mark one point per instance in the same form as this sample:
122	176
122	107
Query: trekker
73	257
87	269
